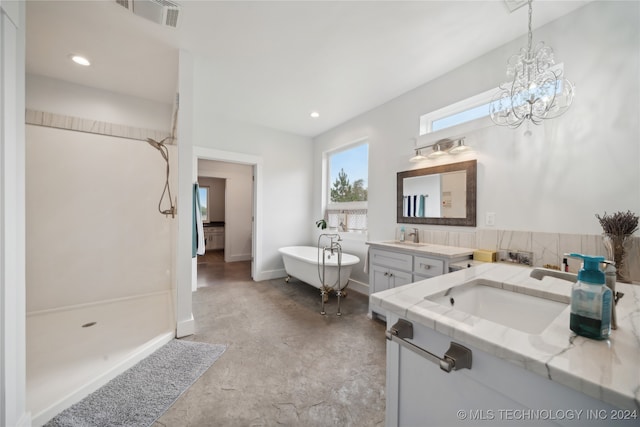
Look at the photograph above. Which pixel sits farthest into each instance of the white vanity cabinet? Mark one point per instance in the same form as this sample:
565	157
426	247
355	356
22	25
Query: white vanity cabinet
388	269
492	392
451	365
426	267
383	278
392	265
214	238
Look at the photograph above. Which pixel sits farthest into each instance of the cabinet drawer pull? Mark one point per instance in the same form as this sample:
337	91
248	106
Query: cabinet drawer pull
456	357
425	266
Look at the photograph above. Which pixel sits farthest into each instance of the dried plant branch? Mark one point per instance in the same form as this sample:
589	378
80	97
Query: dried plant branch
619	223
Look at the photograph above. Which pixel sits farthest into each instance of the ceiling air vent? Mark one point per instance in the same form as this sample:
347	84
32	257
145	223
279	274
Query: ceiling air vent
161	12
125	3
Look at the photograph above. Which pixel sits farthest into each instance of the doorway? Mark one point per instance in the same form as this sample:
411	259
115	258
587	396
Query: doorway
241	175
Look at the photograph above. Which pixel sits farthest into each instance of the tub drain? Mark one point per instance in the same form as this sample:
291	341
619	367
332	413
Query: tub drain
88	325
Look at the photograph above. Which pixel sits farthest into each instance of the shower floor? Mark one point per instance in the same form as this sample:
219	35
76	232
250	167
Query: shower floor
72	352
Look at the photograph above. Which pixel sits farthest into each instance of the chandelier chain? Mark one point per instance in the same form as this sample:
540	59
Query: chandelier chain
530	33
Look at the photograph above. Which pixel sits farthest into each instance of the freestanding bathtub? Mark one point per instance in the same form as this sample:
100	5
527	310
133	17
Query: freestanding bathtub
302	262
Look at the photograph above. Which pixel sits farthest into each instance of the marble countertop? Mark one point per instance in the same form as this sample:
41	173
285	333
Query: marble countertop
424	248
214	224
467	263
607	370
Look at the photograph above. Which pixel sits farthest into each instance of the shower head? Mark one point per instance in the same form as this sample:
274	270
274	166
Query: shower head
155	144
164	151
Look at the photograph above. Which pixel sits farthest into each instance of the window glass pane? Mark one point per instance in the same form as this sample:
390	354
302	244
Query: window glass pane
347	219
461	117
349	173
203	196
478	106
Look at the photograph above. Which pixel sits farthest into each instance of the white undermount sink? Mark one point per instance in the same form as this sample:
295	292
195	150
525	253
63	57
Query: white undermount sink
487	300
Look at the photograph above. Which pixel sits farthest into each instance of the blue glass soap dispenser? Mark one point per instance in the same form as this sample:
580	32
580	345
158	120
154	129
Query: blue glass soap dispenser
590	300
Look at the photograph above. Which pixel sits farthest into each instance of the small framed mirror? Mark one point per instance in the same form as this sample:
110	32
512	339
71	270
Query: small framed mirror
438	195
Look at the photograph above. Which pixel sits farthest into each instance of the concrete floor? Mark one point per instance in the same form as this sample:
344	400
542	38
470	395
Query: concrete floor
285	363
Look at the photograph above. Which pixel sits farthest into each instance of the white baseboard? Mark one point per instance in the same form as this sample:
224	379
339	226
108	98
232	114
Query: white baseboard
360	287
25	420
270	274
239	257
185	328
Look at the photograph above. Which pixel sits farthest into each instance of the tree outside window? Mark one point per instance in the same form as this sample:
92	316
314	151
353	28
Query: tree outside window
344	191
348	190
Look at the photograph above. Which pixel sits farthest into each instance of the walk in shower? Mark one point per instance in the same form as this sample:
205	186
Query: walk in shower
99	261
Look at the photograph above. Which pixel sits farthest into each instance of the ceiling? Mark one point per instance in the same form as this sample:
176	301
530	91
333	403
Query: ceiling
272	63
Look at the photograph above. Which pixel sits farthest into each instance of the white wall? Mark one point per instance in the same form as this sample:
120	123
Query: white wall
184	265
287	160
13	411
238	205
94	232
583	163
60	97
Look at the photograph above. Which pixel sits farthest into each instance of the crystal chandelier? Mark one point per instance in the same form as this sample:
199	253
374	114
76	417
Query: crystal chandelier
538	89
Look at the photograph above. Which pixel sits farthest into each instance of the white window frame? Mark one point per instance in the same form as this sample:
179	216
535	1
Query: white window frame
427	120
326	191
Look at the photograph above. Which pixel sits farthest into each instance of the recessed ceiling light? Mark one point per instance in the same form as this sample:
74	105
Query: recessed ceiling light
314	114
80	60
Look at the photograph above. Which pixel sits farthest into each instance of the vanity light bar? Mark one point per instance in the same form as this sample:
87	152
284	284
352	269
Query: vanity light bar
441	148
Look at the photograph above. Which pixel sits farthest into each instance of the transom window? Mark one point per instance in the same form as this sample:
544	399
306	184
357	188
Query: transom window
467	110
475	108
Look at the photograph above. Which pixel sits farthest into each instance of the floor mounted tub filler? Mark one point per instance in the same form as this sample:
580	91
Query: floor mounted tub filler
324	267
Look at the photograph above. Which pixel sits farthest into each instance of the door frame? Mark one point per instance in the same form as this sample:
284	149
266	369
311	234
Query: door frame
256	162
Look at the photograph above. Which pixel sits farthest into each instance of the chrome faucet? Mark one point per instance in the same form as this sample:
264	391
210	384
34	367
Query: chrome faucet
416	235
334	244
335	238
539	273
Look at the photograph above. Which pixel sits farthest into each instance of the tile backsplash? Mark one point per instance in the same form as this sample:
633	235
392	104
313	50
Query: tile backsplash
547	248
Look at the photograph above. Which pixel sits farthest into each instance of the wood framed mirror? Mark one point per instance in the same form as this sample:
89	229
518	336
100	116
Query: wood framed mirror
438	195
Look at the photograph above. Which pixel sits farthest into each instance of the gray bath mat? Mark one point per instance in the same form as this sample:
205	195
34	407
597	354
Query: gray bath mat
140	395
